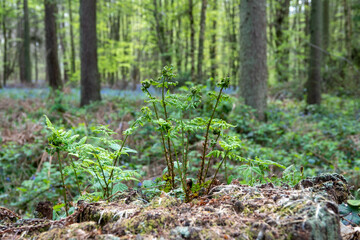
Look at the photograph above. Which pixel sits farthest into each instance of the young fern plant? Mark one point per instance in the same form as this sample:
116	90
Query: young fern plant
223	84
61	141
172	119
97	158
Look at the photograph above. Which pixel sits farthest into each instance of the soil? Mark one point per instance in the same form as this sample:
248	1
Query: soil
307	211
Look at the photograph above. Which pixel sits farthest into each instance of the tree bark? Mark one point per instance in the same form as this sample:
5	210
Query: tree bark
192	39
90	82
348	27
326	24
307	17
20	41
315	61
253	73
233	59
72	44
5	58
213	42
52	60
160	31
179	47
26	42
282	52
62	37
201	39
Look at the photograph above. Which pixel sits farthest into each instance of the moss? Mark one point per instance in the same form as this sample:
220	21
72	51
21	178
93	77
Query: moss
70	232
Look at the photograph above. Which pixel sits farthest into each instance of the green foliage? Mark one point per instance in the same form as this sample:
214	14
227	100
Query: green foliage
174	118
320	142
350	212
97	159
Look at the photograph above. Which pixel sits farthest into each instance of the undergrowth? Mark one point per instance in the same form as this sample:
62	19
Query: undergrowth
238	146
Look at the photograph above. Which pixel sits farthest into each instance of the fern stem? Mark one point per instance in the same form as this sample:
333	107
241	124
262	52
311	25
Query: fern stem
168	138
217	170
162	134
200	176
183	146
208	164
106	193
181	174
118	154
63	182
76	176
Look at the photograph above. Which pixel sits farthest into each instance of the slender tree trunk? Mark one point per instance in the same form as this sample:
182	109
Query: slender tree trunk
325	39
179	47
171	31
201	39
36	48
326	24
160	31
62	37
231	35
253	74
233	41
52	59
307	17
72	44
5	58
271	22
27	43
186	53
296	27
192	39
125	38
213	42
114	25
348	27
282	52
20	42
36	58
315	61
90	82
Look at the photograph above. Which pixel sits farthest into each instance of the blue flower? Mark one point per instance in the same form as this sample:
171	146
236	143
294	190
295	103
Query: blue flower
139	184
32	177
8	179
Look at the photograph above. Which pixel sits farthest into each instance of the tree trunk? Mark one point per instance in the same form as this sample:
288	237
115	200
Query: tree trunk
62	37
52	60
326	24
307	17
201	40
213	42
192	39
5	58
253	74
232	39
348	27
20	42
179	47
160	31
314	78
37	42
114	25
282	52
27	44
90	82
72	44
186	53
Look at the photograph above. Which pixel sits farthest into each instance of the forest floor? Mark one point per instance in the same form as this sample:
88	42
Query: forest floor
307	211
281	210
